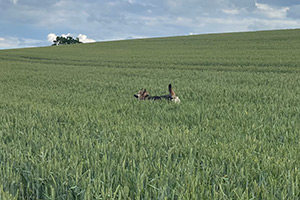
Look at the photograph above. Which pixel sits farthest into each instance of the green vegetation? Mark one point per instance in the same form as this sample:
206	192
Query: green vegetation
70	127
61	40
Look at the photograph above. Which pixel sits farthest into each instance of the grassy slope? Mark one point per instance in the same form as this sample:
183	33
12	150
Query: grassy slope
70	127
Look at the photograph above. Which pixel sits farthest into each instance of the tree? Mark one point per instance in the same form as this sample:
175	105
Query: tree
61	40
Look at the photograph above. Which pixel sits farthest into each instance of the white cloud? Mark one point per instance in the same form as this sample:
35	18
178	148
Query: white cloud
51	37
271	12
82	38
15	42
66	35
85	39
231	11
263	24
9	42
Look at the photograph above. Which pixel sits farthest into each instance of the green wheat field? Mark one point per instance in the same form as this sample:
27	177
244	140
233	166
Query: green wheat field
70	127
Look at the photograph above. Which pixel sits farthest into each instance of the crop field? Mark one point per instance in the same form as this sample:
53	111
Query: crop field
70	127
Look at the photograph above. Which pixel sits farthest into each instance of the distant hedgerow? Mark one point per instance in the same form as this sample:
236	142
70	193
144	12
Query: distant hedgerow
61	40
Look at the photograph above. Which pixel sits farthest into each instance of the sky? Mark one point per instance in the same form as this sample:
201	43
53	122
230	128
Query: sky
33	23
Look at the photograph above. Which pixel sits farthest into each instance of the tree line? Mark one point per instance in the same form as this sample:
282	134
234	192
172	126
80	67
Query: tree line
60	40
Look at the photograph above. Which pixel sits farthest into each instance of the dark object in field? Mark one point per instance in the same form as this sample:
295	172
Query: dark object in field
144	95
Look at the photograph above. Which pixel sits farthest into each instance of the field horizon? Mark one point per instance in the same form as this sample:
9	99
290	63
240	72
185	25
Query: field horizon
70	127
163	37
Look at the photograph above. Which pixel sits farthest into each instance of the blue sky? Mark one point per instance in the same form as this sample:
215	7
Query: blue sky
31	23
